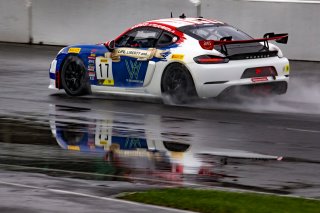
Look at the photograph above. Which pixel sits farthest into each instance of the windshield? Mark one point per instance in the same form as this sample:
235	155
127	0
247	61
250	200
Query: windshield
214	32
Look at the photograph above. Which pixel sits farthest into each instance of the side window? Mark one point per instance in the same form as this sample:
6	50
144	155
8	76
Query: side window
143	37
166	39
121	42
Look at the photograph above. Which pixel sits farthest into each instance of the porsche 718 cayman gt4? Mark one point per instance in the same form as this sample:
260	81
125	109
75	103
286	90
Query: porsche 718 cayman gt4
179	58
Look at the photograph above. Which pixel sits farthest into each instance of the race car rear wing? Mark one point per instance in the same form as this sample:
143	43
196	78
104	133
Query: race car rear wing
223	42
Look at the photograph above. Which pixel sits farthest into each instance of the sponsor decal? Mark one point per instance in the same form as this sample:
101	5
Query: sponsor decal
286	68
133	69
259	79
91	61
92	74
136	53
134	153
177	56
91	57
104	60
104	142
108	82
90	68
74	148
132	143
74	50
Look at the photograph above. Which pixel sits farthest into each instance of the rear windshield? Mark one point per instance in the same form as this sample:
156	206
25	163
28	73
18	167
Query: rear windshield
214	32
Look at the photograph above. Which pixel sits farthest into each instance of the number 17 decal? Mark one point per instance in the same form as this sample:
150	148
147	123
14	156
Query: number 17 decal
104	70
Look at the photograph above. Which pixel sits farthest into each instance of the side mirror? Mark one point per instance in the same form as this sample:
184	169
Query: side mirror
111	45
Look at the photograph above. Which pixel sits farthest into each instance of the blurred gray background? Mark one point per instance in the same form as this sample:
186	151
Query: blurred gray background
63	22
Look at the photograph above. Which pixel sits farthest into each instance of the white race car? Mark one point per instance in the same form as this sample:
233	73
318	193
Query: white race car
179	58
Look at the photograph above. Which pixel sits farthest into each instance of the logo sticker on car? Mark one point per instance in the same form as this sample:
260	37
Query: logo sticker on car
177	56
133	69
136	53
74	50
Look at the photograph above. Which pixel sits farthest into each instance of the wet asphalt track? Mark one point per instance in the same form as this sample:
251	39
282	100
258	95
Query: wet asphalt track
267	145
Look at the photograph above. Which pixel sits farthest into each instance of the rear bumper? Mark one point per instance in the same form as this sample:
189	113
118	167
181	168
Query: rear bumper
213	90
263	89
212	79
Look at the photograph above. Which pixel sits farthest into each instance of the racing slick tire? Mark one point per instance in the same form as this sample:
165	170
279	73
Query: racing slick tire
74	77
177	84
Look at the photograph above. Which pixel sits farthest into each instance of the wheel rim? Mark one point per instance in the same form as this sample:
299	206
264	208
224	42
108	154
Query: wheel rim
176	82
73	76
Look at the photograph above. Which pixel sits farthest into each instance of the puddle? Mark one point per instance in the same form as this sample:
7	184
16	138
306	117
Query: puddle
142	149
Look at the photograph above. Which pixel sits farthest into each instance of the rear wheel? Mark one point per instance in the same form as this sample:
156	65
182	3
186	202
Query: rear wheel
177	83
74	77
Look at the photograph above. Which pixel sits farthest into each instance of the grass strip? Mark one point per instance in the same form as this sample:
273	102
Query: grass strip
224	202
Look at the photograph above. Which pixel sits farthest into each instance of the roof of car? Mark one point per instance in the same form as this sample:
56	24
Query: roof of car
181	22
171	24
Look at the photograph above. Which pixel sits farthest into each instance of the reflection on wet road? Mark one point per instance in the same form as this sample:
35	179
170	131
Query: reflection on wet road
144	148
103	138
130	151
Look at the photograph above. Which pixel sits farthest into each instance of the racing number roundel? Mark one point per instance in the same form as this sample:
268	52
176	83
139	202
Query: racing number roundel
104	70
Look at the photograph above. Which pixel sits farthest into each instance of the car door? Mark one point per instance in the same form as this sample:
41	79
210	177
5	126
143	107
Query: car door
131	57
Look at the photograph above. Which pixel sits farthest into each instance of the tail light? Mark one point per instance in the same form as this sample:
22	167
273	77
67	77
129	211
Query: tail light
210	59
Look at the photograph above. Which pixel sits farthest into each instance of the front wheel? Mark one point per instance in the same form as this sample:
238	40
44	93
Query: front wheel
177	83
74	78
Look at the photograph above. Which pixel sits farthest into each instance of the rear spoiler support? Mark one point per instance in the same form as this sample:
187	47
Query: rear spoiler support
224	49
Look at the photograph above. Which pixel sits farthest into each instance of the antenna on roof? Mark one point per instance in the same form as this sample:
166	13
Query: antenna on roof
182	16
171	15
